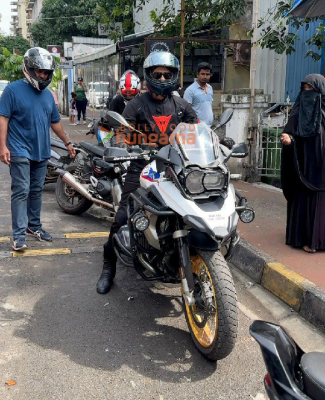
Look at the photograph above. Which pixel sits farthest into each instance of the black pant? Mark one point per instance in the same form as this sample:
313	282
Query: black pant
81	106
132	182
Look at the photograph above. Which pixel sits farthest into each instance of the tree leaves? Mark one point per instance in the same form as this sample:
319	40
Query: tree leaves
10	65
62	19
15	43
275	34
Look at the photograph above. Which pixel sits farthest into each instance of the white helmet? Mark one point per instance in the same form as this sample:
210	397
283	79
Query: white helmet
130	85
36	57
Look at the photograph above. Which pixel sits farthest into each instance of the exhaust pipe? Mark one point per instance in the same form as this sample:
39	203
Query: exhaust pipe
70	180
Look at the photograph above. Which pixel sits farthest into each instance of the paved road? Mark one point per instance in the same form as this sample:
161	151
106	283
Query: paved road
59	339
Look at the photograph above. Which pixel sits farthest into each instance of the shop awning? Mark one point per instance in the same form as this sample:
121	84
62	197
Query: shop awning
308	8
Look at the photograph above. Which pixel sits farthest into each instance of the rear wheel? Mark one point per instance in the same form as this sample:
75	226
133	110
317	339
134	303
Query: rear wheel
213	320
71	201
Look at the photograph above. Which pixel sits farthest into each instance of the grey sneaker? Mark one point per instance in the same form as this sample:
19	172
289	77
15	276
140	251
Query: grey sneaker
19	244
78	123
40	234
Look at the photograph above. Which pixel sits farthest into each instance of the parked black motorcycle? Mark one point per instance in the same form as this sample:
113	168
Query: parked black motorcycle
60	159
291	373
90	180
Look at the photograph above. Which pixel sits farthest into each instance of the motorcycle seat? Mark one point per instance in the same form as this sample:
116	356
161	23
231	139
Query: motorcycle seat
313	367
93	148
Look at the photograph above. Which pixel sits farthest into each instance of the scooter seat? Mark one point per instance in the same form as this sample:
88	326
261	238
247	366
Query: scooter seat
313	367
98	150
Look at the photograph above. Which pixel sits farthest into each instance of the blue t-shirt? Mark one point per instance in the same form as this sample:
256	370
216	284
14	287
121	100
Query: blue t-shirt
201	101
30	114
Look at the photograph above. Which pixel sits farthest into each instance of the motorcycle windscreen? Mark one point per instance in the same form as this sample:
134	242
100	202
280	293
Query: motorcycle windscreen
196	142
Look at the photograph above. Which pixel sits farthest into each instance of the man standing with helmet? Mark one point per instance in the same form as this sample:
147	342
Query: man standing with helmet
27	112
157	112
129	87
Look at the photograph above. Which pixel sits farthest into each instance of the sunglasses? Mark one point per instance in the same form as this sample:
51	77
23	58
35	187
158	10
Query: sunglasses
158	75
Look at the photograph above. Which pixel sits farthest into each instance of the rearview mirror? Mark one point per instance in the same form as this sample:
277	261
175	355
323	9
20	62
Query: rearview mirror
225	117
239	150
114	119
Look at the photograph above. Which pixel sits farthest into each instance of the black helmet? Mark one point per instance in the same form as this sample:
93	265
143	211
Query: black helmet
36	57
161	59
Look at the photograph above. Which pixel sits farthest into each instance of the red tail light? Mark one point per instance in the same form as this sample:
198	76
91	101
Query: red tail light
267	380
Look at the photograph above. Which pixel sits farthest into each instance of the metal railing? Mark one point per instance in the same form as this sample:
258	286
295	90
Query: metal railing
268	148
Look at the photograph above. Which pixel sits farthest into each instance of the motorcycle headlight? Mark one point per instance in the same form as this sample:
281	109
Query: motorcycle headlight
247	215
194	182
214	181
140	222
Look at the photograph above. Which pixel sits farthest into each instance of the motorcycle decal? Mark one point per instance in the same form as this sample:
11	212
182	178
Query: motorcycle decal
149	174
162	122
104	134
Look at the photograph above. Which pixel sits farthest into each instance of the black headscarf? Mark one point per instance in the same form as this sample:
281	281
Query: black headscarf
308	106
303	163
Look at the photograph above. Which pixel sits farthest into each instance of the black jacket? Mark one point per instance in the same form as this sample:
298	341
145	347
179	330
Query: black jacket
155	119
117	104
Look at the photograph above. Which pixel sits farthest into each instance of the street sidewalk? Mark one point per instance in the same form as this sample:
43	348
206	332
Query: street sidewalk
296	277
77	133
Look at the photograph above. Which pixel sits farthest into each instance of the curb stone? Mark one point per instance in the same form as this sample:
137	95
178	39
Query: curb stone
299	293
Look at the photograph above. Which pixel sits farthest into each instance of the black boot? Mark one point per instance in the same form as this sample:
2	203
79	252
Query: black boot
106	278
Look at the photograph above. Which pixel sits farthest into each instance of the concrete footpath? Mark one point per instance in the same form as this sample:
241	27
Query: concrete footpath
296	277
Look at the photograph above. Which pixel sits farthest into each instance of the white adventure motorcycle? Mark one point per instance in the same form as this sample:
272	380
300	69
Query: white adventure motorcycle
182	224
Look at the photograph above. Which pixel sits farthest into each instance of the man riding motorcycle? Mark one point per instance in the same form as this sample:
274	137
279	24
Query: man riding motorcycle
156	112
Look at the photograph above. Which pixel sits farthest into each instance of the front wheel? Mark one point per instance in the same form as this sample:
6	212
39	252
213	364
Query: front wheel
213	319
71	201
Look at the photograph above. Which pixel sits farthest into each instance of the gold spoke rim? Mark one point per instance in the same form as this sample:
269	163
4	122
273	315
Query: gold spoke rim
207	334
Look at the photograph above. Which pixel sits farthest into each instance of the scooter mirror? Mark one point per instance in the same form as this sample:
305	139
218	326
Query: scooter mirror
225	117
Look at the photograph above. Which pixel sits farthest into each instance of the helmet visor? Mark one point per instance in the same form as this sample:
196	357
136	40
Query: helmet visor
36	59
161	58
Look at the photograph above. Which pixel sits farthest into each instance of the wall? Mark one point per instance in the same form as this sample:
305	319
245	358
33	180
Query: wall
142	18
298	65
271	67
236	76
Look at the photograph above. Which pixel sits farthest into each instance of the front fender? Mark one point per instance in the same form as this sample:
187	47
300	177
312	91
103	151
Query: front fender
202	241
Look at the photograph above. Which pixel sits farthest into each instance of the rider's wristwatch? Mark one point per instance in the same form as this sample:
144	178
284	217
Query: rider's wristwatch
67	144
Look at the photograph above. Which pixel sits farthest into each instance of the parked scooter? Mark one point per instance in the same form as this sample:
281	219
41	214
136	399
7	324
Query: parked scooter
182	224
291	373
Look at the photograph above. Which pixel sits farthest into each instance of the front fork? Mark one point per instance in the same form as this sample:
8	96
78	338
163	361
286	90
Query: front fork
185	269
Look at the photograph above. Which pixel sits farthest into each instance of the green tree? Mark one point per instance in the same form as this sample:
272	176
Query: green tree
15	43
10	65
275	34
62	19
212	15
112	11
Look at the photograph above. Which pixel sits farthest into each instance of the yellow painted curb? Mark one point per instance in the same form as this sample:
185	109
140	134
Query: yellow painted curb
5	239
86	235
43	252
284	283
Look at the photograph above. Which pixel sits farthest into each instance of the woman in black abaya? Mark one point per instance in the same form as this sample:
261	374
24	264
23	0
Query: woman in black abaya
303	167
